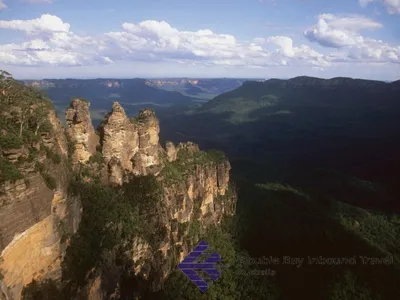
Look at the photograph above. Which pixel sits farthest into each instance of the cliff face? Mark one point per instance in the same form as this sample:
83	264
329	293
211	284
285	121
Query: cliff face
195	184
80	129
35	218
201	196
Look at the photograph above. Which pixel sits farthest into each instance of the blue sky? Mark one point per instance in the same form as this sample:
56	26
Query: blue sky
208	38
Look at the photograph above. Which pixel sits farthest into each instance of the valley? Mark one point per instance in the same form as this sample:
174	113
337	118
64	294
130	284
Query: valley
310	170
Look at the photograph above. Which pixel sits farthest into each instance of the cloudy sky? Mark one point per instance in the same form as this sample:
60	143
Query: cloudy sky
207	38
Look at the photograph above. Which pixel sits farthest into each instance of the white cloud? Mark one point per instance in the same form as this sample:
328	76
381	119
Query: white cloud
43	25
343	33
154	40
285	43
392	6
2	4
340	31
51	42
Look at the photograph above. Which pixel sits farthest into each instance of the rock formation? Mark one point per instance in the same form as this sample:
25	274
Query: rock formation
80	130
200	194
36	220
129	146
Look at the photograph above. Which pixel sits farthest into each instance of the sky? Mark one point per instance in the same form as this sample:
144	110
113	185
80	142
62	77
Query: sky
203	39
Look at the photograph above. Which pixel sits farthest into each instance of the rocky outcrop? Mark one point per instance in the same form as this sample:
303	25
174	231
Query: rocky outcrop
195	184
80	131
147	159
36	220
119	143
129	146
171	151
58	138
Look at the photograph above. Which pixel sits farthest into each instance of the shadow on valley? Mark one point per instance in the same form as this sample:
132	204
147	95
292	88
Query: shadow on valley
317	169
292	135
283	221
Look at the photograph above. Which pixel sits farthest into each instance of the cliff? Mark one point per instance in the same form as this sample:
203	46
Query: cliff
41	213
35	217
194	190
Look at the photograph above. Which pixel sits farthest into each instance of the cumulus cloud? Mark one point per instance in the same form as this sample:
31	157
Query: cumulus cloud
154	40
50	41
392	6
344	33
2	4
340	31
45	24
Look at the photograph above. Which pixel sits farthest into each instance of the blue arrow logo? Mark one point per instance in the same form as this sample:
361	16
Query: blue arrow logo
196	261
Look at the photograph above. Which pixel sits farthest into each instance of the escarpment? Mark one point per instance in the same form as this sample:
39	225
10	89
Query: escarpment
36	218
157	201
195	189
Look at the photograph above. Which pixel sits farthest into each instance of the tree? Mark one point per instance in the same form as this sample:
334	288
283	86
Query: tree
9	88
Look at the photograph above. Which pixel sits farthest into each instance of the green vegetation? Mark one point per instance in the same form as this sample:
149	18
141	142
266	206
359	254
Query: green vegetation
96	158
230	285
112	218
23	120
8	171
194	232
187	161
172	173
10	141
306	225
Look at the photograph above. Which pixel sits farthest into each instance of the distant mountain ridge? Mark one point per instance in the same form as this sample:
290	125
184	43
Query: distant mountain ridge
200	88
98	90
315	81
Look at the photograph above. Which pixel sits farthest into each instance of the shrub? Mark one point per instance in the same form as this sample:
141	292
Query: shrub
10	141
172	173
216	156
8	171
46	127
